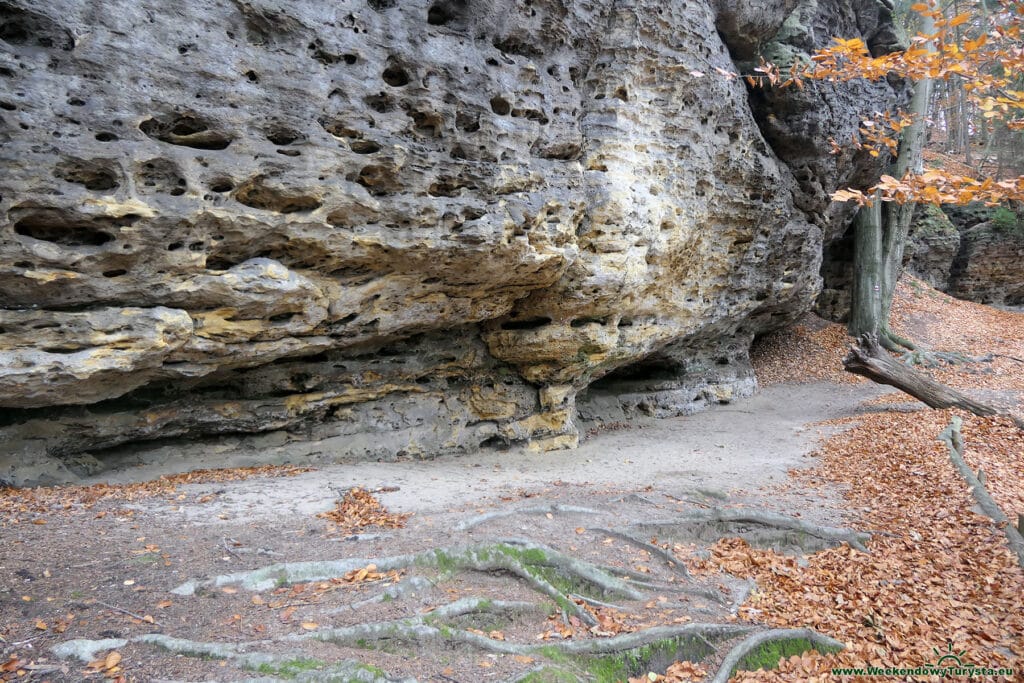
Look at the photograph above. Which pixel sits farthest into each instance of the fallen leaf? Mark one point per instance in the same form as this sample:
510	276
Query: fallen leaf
112	660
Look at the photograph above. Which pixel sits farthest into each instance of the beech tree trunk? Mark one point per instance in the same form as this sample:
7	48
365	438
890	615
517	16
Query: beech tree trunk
870	360
880	230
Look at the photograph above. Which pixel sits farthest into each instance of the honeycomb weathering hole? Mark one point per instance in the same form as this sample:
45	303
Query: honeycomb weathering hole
186	130
94	174
445	12
56	227
500	106
23	27
395	75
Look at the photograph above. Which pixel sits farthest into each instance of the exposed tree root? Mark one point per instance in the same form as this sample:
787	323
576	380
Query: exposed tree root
572	584
393	592
418	629
535	510
347	670
801	637
772	520
932	359
539	566
671	560
953	439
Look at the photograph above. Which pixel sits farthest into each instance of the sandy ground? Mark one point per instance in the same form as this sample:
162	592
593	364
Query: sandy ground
100	571
743	446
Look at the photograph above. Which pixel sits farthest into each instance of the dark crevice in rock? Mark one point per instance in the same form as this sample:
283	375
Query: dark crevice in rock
186	130
31	29
69	229
160	175
94	174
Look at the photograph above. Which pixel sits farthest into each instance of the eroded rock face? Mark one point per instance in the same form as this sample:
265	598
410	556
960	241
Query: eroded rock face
392	228
932	245
989	268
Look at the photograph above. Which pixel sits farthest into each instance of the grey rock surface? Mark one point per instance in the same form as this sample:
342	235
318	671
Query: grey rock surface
398	228
932	246
989	267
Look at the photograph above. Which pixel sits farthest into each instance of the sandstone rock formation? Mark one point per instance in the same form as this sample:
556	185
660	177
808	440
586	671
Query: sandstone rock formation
386	228
989	266
932	245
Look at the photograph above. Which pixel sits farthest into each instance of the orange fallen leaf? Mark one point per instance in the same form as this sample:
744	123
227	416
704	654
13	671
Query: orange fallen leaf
310	625
112	660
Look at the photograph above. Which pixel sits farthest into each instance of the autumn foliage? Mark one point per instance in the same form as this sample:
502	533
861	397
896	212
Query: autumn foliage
981	51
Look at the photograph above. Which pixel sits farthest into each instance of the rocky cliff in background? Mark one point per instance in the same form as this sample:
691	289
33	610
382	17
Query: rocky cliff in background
989	265
382	228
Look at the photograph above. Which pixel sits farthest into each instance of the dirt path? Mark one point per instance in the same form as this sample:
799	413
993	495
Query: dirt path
745	445
131	574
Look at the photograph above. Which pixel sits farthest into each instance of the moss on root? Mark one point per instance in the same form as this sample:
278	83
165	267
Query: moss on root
769	654
290	668
656	656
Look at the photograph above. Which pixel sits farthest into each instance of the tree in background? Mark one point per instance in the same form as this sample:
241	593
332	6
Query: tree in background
977	55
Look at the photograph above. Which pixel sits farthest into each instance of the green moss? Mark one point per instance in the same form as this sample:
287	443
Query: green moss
931	220
1006	220
767	656
290	668
656	657
444	561
549	675
376	671
554	654
146	559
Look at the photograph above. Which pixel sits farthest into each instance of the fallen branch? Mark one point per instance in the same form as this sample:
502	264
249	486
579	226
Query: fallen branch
752	643
953	439
870	360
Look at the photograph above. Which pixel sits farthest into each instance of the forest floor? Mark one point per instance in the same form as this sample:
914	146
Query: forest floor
658	551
